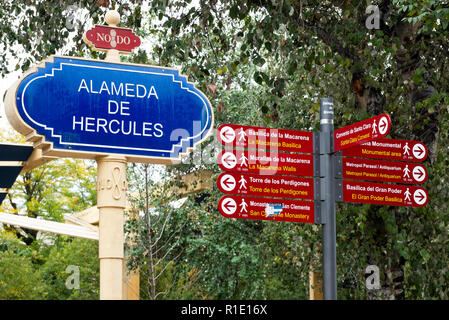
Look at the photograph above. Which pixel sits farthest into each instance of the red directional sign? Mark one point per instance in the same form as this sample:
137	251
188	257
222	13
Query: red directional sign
269	186
386	194
363	131
105	38
387	171
267	209
265	138
389	149
255	161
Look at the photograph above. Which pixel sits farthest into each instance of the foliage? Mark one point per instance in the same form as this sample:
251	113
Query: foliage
80	253
266	64
18	278
55	188
38	271
52	190
431	14
248	260
280	57
153	231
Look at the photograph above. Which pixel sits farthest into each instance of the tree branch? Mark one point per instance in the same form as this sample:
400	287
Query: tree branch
168	263
161	232
166	254
170	237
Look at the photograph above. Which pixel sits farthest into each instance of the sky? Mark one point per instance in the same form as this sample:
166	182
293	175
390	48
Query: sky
5	84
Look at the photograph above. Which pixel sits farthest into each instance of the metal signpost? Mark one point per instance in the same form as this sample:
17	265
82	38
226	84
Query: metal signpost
264	184
327	194
112	112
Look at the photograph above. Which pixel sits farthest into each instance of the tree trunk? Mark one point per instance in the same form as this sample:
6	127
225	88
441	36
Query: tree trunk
151	269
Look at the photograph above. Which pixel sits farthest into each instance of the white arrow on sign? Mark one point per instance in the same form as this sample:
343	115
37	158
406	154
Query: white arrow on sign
229	206
383	125
227	134
228	160
419	173
419	151
419	196
228	182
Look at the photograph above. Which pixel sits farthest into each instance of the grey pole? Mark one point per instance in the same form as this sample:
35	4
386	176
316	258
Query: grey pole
327	188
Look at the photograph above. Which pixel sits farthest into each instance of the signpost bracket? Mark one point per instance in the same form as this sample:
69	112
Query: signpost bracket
323	165
322	189
319	219
316	142
316	189
338	165
316	165
339	190
326	142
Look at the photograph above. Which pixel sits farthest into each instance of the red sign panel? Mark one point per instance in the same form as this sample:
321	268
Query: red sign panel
389	149
384	194
363	131
265	138
106	38
255	161
269	186
387	171
267	209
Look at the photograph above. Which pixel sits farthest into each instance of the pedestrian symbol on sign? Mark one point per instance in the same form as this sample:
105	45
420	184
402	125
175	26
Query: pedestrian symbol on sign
242	182
406	172
242	135
407	195
243	160
406	149
243	205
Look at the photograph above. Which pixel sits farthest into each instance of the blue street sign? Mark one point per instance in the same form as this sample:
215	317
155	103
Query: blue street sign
101	107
